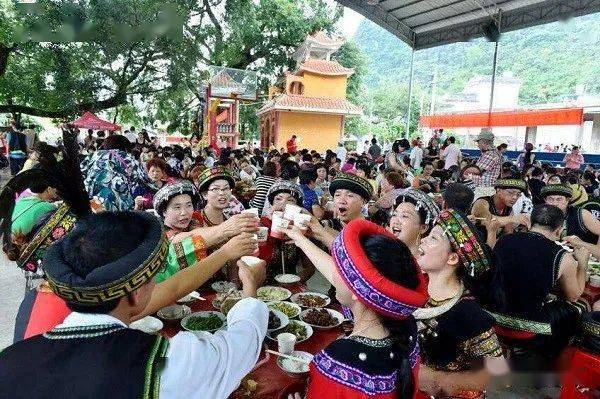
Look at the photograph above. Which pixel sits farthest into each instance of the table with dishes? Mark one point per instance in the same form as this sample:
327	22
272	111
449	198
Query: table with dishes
308	316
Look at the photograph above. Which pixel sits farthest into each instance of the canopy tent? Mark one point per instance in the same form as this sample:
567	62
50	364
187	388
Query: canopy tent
542	117
90	121
430	23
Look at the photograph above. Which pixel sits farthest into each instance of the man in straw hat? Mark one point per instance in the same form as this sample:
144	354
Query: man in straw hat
108	281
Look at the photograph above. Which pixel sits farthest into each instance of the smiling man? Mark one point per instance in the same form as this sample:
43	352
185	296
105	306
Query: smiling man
350	194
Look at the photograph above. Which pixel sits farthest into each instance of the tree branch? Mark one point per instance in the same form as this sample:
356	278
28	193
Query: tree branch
4	55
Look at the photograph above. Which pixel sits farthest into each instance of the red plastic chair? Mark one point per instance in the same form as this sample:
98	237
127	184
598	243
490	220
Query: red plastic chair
582	379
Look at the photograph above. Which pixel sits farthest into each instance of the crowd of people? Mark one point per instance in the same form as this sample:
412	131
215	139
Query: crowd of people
453	270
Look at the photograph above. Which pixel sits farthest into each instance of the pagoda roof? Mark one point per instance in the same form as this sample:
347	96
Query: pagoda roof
324	39
300	103
324	67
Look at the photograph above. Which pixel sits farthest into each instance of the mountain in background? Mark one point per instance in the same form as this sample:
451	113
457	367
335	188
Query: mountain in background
554	61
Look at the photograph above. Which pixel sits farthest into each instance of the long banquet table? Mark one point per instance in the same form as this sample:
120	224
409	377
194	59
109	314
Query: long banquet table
272	382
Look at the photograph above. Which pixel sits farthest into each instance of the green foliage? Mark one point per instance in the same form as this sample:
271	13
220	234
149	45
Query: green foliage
550	59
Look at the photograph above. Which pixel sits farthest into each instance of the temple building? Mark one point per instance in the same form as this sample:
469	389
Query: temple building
311	102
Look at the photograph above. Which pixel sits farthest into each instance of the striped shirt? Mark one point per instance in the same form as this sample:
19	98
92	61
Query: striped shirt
263	184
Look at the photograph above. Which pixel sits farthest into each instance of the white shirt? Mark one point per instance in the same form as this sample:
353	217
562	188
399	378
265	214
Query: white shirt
451	155
207	367
341	154
245	176
209	162
416	157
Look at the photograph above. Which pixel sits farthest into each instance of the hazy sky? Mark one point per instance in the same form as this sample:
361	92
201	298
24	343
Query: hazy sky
349	23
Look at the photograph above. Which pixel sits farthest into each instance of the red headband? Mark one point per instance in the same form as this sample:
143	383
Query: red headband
366	282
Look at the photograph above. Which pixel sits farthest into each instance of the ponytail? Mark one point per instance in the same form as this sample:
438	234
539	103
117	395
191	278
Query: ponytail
404	335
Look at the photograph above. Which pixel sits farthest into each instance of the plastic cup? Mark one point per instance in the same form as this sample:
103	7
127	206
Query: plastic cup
251	260
301	221
291	211
262	235
278	226
286	343
251	211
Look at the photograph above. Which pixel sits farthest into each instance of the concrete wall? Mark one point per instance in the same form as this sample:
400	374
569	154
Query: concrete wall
314	131
324	86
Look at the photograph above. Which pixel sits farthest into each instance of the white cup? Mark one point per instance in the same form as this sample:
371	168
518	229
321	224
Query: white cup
251	211
301	221
251	260
262	234
286	343
291	211
279	224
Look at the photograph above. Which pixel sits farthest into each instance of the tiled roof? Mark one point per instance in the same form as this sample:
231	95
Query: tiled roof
324	67
292	102
323	38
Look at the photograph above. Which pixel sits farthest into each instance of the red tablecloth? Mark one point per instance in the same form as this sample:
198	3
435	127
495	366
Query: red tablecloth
271	380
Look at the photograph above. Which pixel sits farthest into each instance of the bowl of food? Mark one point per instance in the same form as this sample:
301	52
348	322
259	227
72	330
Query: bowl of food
311	299
174	312
220	298
222	287
277	320
289	309
322	318
270	293
287	278
148	324
207	321
295	368
300	329
227	304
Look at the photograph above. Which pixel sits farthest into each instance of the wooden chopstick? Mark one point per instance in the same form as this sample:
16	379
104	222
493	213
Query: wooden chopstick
297	359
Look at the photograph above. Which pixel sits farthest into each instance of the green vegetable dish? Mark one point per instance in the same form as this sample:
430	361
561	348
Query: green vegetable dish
288	309
204	323
297	329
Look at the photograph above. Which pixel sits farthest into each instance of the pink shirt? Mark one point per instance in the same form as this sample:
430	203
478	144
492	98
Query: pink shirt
573	161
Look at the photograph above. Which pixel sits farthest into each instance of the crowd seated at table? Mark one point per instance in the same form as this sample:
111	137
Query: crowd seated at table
438	274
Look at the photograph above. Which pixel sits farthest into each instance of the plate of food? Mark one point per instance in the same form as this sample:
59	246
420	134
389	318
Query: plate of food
289	309
208	321
293	367
218	301
269	293
227	304
222	287
277	320
300	329
148	324
322	318
174	312
594	268
287	278
311	299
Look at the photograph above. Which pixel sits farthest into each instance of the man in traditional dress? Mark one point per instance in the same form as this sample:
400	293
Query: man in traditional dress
350	194
581	227
532	267
106	281
499	207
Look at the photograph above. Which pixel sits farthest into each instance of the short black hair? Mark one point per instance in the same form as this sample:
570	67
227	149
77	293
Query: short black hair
289	170
458	196
97	241
308	176
537	172
452	139
547	216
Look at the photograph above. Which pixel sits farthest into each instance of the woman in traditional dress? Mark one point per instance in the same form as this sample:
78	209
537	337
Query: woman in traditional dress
413	218
157	174
460	350
191	240
376	277
282	253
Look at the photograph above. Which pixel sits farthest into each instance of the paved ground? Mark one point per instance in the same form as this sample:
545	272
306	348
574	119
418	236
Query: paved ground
12	288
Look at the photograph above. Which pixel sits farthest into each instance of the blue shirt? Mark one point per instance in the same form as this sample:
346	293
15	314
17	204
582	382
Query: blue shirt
310	197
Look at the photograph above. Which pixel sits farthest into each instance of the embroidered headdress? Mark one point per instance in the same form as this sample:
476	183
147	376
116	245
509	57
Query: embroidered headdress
169	191
362	277
353	183
465	242
423	204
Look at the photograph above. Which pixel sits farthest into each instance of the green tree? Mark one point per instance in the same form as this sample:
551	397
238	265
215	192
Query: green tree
71	57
